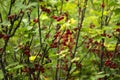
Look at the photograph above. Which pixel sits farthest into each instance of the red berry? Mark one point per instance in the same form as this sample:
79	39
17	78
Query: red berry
87	46
54	17
35	20
56	35
104	34
34	78
103	5
78	65
92	25
45	9
65	39
1	35
113	65
96	42
53	45
118	29
9	17
99	78
42	69
107	63
58	32
27	52
60	18
36	67
109	36
25	69
64	43
110	55
90	40
47	35
5	37
68	32
102	44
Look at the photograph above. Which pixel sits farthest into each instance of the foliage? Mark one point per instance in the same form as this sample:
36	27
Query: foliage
72	39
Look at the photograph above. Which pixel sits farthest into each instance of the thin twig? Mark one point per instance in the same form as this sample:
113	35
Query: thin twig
79	29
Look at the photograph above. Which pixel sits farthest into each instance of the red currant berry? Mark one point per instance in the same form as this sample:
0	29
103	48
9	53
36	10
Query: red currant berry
1	35
118	30
107	63
103	5
113	65
35	20
60	18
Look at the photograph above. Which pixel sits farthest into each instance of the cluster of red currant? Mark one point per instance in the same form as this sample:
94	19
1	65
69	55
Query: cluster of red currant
110	64
32	70
118	30
107	55
25	49
58	18
66	40
106	35
4	36
45	9
12	17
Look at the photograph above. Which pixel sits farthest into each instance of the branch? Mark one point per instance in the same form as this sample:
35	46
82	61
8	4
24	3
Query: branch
1	18
83	58
18	25
40	38
79	29
102	40
10	8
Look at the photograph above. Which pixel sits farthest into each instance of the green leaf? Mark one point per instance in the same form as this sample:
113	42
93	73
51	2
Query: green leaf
19	6
75	59
14	66
32	4
117	11
11	65
1	75
43	17
18	66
